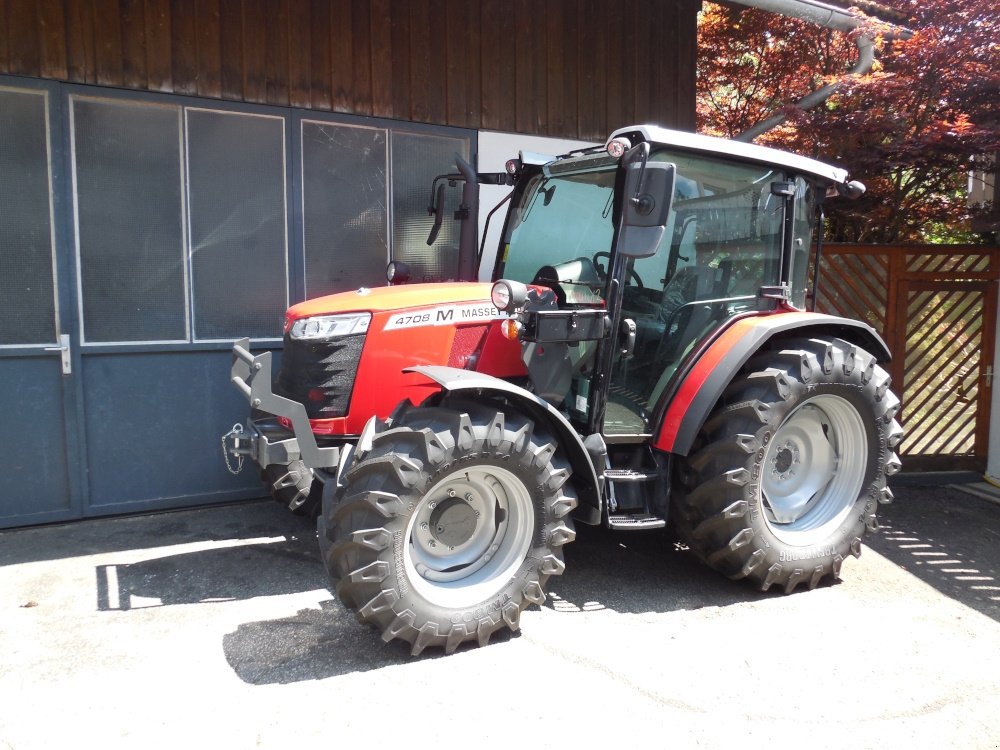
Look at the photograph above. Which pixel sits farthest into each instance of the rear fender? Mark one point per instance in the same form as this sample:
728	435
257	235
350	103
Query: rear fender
485	388
708	376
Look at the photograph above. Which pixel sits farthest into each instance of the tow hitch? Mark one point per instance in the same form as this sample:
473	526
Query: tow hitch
236	443
264	439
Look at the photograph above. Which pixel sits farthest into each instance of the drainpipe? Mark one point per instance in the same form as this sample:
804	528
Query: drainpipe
828	17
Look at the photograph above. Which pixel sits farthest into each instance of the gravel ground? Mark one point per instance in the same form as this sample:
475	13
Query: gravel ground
215	628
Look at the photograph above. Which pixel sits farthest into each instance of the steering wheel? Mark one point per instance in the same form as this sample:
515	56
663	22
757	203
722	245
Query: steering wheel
603	275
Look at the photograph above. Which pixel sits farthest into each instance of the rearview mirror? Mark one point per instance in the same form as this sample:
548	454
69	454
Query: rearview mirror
437	209
649	193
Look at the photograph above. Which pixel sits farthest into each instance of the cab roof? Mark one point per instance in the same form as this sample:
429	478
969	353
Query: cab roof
706	144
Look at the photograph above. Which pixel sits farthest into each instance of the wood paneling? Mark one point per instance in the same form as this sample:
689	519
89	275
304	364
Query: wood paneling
569	68
109	55
208	44
52	37
231	40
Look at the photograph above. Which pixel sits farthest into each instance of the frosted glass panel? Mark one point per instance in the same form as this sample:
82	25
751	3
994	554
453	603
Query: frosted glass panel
129	220
27	307
416	160
345	222
236	178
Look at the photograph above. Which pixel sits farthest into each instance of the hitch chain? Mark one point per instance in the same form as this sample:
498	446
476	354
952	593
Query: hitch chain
235	432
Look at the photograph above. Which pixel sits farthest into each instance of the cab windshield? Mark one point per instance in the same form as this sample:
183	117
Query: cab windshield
560	233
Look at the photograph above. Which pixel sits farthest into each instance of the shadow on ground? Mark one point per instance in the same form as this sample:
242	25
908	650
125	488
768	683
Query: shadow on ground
637	572
286	565
949	540
944	537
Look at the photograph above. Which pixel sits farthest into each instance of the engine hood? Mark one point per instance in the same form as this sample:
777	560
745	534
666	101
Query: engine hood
389	298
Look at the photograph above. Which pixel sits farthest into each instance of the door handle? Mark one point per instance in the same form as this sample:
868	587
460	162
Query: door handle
628	338
63	349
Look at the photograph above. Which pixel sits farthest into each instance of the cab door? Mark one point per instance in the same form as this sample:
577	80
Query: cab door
723	242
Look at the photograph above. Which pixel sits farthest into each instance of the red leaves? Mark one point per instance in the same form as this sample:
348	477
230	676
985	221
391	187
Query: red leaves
909	129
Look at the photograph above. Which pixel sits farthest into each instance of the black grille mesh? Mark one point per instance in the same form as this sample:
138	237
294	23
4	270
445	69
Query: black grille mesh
320	374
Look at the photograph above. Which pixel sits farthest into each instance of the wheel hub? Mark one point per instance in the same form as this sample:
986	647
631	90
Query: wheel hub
785	459
453	522
814	469
470	530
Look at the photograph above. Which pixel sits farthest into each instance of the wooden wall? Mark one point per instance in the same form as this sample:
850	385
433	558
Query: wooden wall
570	68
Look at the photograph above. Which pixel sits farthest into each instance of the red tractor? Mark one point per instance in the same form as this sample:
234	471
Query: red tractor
645	354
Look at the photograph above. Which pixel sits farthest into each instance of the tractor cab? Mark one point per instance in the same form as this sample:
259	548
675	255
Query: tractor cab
671	244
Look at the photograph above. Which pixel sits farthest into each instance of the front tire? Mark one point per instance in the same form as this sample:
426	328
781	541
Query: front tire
294	486
449	525
788	471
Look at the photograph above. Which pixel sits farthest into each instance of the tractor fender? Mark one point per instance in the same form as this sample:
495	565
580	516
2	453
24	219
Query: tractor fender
720	360
485	387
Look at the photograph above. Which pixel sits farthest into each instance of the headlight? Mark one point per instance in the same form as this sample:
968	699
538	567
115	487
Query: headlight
397	272
508	295
330	326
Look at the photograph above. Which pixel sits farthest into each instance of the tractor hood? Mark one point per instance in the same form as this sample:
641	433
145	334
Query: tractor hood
389	298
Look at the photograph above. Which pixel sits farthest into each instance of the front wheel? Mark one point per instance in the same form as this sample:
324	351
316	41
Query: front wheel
294	486
449	525
788	471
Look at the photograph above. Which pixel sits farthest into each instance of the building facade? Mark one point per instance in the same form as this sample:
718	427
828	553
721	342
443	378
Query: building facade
174	174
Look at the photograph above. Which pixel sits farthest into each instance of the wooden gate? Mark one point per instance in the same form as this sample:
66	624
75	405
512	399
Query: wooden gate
935	305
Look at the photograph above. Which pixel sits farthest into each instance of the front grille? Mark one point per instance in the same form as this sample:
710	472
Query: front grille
320	374
468	340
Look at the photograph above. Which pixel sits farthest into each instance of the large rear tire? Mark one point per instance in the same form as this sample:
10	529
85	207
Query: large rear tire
449	525
786	475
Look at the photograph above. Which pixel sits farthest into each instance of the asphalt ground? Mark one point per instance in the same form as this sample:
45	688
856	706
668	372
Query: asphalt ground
214	628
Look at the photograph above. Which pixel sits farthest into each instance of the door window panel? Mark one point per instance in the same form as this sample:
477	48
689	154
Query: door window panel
236	199
723	242
129	220
344	207
27	307
416	159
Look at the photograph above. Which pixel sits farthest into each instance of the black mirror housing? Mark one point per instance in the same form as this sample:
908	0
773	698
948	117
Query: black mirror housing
437	211
649	194
397	272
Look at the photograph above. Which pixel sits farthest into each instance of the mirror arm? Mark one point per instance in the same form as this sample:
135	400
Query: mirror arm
637	199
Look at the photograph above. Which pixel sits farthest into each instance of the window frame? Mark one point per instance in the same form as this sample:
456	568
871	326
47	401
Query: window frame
62	151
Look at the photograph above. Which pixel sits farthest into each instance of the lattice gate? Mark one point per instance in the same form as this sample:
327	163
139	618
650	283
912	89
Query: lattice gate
935	305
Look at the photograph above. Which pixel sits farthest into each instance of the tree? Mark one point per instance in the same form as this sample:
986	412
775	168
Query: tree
911	129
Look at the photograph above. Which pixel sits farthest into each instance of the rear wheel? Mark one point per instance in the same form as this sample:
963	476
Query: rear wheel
449	525
788	471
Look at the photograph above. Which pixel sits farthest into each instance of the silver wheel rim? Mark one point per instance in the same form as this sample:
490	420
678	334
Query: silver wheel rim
813	470
468	536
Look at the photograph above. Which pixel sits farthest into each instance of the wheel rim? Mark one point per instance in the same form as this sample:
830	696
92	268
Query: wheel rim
814	469
468	535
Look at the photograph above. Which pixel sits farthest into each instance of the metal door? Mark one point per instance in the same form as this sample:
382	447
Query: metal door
37	341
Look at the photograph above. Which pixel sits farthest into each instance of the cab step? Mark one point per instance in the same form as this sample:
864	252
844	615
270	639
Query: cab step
627	475
635	521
